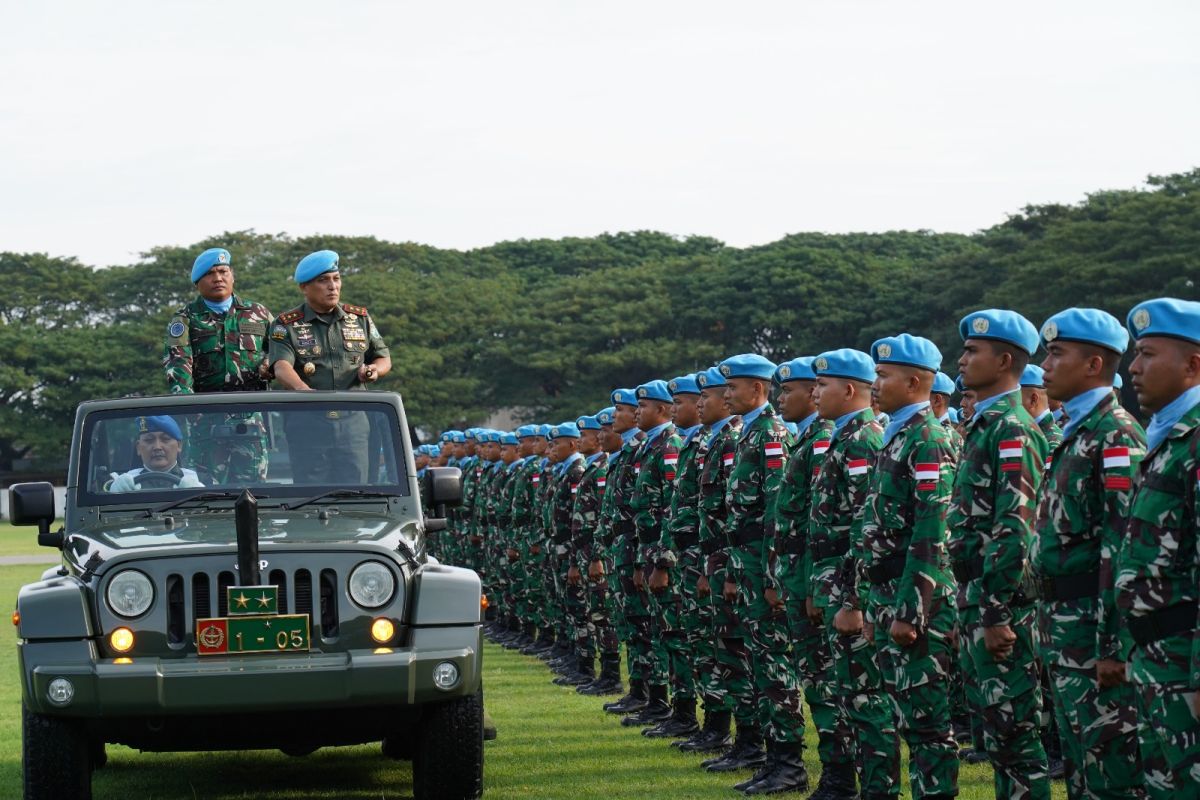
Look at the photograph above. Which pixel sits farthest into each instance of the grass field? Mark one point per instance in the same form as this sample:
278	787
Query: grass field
22	541
553	744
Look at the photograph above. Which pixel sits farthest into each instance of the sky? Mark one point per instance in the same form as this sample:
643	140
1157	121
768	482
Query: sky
129	125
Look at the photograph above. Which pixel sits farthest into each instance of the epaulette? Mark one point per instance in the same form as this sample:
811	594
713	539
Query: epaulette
289	317
356	310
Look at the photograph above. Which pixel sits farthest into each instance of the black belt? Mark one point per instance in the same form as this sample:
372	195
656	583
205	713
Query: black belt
750	533
790	546
1070	587
1169	621
887	569
684	541
824	550
967	571
624	527
711	546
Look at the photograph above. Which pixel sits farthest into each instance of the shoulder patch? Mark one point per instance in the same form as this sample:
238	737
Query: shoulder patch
358	310
176	329
289	317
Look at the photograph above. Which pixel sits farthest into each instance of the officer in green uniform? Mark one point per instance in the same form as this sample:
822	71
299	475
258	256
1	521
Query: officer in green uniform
1158	571
1081	519
218	343
939	404
1037	403
325	344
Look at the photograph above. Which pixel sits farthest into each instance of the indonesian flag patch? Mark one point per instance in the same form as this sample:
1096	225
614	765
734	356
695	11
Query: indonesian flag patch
774	454
537	479
1011	448
820	446
601	482
637	468
926	476
727	459
1049	462
671	459
857	466
1116	457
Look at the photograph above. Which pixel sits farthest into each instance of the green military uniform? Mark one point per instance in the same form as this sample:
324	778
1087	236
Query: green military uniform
521	519
585	516
1050	430
1081	527
621	480
326	351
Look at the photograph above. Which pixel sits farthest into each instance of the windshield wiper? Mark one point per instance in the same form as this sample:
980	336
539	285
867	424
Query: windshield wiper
190	499
334	493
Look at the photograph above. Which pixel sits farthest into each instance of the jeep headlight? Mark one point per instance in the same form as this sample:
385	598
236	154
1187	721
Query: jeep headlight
371	584
130	593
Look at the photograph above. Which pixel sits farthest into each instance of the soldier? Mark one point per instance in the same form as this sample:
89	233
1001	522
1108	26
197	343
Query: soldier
939	403
1037	403
336	346
903	581
775	708
525	555
991	518
1157	587
842	395
811	657
159	442
568	469
1081	520
218	343
585	513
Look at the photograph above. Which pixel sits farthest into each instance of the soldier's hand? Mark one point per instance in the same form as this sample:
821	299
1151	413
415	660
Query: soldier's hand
773	599
265	372
903	634
535	549
848	621
999	641
703	588
596	570
573	575
367	373
814	614
512	554
729	591
639	581
1110	672
659	579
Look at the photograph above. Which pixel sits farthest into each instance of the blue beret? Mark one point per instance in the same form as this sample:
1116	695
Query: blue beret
624	397
1166	316
845	363
160	424
684	384
710	378
798	369
526	431
544	430
564	430
942	384
748	365
1087	325
1001	325
958	384
654	390
1118	381
207	260
908	350
316	264
955	415
1032	376
586	423
471	434
493	436
435	450
448	436
459	436
509	438
605	416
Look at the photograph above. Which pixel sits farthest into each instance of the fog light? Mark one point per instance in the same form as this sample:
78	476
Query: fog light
60	691
122	660
121	640
445	675
382	630
382	651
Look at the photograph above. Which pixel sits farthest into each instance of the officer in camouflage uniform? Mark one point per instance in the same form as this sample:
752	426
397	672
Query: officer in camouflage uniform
1037	403
904	583
599	569
527	555
812	659
568	602
218	343
939	404
324	344
839	491
510	633
1081	521
585	513
991	520
1158	571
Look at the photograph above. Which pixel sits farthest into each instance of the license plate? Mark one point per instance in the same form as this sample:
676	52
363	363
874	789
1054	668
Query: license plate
277	633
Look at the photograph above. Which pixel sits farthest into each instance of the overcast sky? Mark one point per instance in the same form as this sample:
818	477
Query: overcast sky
126	125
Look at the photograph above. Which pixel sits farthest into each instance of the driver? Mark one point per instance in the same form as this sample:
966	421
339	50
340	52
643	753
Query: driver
158	444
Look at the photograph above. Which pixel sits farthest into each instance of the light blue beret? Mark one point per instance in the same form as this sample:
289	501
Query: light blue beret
160	424
684	384
654	390
472	434
509	438
525	431
942	384
1087	325
798	369
493	436
748	365
955	415
1000	325
1033	377
447	436
459	436
564	430
1166	316
958	384
624	397
845	363
316	264
544	430
908	350
209	259
605	416
1118	381
710	378
586	423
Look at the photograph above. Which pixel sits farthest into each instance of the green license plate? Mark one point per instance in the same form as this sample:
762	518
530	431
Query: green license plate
278	633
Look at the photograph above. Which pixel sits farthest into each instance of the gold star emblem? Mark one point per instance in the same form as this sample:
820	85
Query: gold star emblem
242	600
265	600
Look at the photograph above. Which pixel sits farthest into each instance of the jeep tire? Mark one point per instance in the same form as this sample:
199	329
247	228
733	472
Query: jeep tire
56	758
448	757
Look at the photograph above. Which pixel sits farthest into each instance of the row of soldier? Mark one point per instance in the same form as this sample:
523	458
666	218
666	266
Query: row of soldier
750	555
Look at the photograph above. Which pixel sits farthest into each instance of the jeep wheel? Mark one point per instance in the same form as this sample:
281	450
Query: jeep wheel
57	758
448	761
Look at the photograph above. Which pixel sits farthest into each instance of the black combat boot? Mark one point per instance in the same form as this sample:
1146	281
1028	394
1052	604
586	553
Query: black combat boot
682	722
787	773
609	681
838	782
713	736
634	701
763	771
541	644
657	710
584	672
746	752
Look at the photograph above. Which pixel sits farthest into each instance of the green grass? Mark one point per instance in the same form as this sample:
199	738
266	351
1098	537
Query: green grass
553	744
22	541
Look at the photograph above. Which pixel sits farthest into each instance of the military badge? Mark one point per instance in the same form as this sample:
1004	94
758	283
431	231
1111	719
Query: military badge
222	258
785	372
673	386
175	329
821	363
885	351
702	380
305	336
725	370
309	368
641	393
1050	332
774	454
1141	319
980	325
279	333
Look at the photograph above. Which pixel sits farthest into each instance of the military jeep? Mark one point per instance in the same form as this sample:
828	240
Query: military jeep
247	571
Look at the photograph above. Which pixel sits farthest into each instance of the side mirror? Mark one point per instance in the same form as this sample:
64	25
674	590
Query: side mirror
443	486
33	504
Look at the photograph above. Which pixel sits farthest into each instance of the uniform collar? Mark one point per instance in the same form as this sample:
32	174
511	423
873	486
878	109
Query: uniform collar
628	435
565	465
1040	418
845	419
717	426
688	433
899	417
593	458
1162	423
803	425
986	403
1081	405
653	434
310	313
748	419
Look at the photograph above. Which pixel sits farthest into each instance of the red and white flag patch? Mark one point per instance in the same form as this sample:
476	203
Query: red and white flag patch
1116	457
774	454
857	466
671	459
820	447
574	488
926	476
537	479
727	459
637	468
601	482
1010	448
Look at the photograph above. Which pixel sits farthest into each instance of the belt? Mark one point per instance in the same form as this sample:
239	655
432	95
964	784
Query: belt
1169	621
824	550
686	540
790	546
624	527
711	546
1070	587
748	534
887	569
967	571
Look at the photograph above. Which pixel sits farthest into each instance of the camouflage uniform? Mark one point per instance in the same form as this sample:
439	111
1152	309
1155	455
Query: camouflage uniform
683	530
1081	526
569	601
621	541
991	519
902	574
1050	430
839	492
208	351
585	514
1158	575
521	520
